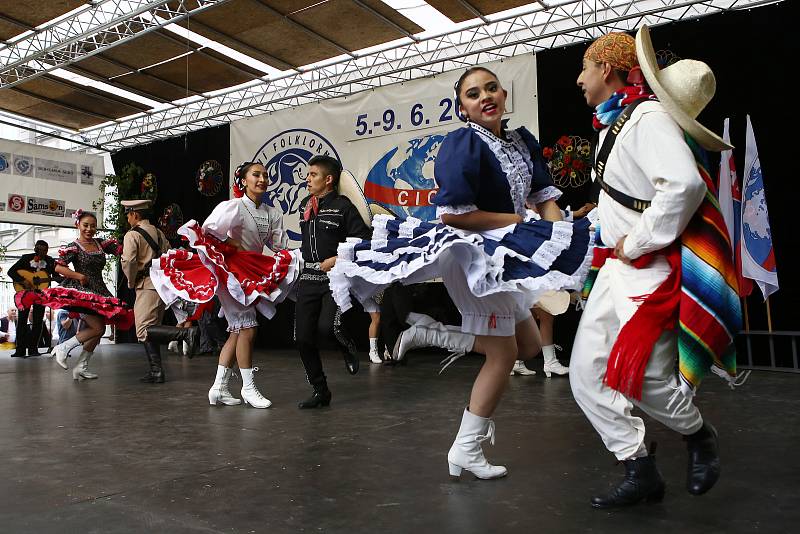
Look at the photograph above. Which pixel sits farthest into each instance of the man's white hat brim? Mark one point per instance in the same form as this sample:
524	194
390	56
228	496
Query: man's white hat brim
649	65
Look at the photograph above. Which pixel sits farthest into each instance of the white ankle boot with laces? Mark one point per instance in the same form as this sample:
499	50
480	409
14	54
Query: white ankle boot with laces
62	350
374	354
551	363
520	369
81	370
466	452
250	393
219	392
425	331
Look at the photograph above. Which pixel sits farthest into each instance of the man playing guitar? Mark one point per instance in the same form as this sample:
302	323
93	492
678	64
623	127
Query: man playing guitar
32	271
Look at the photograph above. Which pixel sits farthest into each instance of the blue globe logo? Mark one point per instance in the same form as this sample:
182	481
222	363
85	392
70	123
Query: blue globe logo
285	157
402	180
756	230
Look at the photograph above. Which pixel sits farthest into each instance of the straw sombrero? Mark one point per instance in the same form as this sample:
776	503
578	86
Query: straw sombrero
553	302
379	209
683	88
348	186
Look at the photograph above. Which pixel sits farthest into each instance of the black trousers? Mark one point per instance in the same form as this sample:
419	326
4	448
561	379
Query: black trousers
396	305
28	338
317	319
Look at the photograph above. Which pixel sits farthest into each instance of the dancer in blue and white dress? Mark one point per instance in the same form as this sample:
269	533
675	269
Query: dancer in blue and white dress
493	261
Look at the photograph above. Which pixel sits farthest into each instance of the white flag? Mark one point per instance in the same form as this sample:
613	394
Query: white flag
758	254
727	177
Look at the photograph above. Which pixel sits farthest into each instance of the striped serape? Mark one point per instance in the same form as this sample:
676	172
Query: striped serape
700	294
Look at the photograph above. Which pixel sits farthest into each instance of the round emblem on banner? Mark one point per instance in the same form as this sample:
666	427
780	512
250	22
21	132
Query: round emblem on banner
171	220
23	165
209	178
3	162
286	156
16	203
402	179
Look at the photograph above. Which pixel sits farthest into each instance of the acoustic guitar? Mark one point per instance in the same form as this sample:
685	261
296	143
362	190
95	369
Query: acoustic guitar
40	280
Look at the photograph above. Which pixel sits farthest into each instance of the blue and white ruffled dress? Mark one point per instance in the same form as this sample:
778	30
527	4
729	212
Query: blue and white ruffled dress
494	277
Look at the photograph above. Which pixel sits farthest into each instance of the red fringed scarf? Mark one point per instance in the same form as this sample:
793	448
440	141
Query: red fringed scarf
657	313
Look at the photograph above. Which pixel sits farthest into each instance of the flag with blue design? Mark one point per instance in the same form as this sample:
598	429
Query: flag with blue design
730	204
758	253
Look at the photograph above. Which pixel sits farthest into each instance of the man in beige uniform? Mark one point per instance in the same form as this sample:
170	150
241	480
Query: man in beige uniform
142	245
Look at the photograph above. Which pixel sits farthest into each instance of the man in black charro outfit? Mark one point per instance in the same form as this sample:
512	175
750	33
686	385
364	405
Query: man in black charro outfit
28	338
326	219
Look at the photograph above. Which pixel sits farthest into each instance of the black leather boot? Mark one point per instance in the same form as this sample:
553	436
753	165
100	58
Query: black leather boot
704	466
642	482
164	334
320	398
154	357
350	361
148	377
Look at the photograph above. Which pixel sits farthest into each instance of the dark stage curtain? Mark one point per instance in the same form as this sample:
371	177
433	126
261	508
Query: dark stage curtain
175	163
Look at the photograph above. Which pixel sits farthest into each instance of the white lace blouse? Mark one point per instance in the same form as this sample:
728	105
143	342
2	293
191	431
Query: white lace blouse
258	229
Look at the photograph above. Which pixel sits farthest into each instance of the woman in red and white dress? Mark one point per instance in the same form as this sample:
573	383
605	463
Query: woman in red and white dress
240	258
83	292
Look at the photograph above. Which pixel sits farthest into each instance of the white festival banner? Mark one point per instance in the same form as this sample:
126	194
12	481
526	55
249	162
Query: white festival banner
44	185
387	138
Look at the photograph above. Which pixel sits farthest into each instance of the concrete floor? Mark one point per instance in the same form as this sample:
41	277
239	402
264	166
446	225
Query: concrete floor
112	455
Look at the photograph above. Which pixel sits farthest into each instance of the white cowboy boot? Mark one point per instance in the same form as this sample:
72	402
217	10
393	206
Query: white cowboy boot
374	355
219	392
551	363
466	452
81	370
414	318
61	351
250	393
520	369
433	334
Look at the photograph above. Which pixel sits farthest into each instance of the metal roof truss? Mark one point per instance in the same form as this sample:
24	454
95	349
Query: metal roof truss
105	24
543	27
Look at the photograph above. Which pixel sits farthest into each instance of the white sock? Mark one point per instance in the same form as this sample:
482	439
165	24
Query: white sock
373	344
247	377
220	375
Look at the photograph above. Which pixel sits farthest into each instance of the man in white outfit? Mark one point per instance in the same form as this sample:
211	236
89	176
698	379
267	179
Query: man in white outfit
655	171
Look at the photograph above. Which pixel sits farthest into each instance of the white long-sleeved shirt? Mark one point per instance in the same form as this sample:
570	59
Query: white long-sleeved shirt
11	335
650	160
258	229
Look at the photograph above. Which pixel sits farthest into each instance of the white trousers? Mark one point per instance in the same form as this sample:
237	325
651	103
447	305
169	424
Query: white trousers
609	307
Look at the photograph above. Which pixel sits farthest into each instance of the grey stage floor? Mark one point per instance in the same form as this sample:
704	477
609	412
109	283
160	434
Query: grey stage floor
113	455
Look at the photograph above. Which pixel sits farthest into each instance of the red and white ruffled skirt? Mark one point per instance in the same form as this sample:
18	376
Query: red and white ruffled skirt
113	310
250	278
